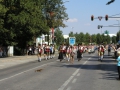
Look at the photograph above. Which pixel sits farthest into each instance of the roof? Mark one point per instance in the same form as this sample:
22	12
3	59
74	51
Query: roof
66	36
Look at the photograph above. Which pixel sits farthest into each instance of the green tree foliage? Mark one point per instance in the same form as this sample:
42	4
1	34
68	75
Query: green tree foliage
21	21
114	39
82	37
93	38
99	39
87	38
71	34
118	36
59	36
55	13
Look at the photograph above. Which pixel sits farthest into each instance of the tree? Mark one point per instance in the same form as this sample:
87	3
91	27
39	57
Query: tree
71	34
23	20
118	36
114	39
99	39
77	38
54	12
87	38
82	37
59	36
93	38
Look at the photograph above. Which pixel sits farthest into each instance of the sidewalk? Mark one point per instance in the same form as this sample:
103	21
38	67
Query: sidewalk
16	60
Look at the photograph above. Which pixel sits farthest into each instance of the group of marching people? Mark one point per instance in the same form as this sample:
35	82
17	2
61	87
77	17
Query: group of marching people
68	52
47	50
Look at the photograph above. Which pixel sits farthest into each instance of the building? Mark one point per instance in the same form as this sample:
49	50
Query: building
111	35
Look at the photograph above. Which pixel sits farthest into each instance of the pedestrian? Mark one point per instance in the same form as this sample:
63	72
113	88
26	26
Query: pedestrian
1	51
118	65
39	52
68	53
60	57
72	54
54	50
79	52
109	50
100	52
30	50
45	52
51	51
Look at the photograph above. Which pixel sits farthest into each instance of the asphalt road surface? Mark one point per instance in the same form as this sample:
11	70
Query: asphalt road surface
87	74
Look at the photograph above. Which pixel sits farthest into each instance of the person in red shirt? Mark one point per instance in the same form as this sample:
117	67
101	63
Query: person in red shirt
39	49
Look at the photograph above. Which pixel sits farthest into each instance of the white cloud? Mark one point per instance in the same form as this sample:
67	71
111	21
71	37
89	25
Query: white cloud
87	24
72	20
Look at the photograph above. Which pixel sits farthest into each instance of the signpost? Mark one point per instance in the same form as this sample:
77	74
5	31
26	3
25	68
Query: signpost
106	32
72	40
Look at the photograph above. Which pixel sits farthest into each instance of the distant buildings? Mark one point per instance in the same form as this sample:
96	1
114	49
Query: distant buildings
111	35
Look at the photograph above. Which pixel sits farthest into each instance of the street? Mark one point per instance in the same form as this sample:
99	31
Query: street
87	74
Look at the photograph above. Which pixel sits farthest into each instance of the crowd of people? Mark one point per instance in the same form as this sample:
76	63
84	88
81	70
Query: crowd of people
68	52
47	50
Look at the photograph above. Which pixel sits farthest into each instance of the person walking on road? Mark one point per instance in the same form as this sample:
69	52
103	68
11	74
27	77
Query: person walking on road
79	52
60	57
109	50
68	53
100	52
39	52
72	54
118	65
45	53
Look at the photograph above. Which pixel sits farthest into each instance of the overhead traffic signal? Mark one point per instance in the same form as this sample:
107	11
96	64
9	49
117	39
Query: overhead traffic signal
106	17
100	26
92	18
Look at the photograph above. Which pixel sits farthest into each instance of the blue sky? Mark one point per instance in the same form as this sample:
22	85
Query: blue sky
80	11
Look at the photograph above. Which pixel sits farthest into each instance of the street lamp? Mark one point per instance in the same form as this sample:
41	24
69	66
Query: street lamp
119	29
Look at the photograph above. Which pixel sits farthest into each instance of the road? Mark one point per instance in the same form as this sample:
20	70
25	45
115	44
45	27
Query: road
87	74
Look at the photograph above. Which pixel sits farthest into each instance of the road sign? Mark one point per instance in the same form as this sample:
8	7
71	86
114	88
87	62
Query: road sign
71	40
106	32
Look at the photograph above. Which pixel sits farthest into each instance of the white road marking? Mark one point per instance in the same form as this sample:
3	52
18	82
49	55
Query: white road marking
71	77
25	71
75	72
74	80
78	74
66	83
69	88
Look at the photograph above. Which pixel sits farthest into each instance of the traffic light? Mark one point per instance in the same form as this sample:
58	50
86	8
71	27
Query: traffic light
92	18
98	26
106	17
